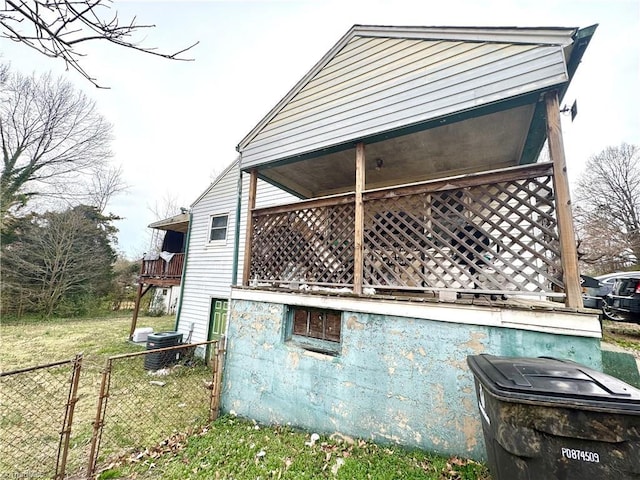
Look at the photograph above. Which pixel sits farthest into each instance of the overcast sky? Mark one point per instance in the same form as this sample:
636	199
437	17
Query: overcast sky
176	124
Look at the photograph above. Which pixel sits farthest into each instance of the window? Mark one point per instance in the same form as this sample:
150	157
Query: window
314	329
218	230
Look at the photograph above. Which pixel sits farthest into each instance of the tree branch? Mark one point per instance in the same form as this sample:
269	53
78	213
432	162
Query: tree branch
56	27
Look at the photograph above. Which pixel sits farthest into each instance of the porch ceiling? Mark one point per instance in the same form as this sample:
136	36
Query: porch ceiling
482	143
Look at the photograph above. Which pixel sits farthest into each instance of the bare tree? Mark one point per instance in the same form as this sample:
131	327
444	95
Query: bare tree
57	28
52	140
608	208
103	185
166	207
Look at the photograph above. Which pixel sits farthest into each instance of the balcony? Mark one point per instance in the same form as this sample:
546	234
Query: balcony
162	272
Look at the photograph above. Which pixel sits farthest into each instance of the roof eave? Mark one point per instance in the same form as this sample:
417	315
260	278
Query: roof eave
167	223
216	181
537	131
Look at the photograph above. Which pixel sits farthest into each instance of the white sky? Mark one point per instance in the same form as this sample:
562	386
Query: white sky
178	123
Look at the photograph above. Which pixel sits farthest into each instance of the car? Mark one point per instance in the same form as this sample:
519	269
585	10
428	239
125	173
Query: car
592	292
623	302
594	289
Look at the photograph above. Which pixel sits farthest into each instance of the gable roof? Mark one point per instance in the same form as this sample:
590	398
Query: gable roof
559	36
429	99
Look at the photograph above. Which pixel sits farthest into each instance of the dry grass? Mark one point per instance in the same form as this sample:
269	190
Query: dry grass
28	344
32	400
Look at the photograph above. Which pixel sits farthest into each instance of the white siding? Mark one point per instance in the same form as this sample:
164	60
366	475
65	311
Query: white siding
373	85
209	267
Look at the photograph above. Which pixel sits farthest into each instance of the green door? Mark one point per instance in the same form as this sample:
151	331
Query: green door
217	321
218	317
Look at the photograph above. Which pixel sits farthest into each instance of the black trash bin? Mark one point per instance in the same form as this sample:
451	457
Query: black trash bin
545	418
159	360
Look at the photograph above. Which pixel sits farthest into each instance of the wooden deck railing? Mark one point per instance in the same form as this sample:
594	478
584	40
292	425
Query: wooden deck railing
493	232
161	269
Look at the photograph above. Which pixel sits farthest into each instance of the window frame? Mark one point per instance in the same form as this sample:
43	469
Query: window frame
306	341
220	241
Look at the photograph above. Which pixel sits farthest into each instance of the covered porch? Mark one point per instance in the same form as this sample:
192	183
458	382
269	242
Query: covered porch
483	219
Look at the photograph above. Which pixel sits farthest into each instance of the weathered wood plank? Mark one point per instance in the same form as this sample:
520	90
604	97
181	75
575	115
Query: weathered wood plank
358	263
464	181
569	254
343	199
498	236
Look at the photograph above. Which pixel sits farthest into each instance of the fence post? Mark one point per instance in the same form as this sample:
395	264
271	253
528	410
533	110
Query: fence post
217	379
65	433
99	421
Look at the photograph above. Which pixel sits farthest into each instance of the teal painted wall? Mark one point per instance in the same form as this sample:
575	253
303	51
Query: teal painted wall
397	380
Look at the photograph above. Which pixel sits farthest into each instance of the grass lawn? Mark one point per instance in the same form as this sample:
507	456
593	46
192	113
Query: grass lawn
32	404
623	334
228	448
29	343
240	449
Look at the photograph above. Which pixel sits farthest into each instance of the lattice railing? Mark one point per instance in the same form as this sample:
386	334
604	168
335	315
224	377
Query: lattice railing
492	232
496	237
305	245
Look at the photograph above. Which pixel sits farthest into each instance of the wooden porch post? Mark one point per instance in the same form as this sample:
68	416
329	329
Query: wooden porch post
136	310
358	267
568	250
142	291
246	266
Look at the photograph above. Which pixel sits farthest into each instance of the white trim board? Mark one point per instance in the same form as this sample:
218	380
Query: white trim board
545	321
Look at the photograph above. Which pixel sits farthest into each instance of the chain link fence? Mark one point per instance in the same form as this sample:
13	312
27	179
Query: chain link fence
131	403
146	397
36	414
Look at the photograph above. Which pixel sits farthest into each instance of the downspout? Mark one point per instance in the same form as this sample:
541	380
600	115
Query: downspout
184	271
236	249
236	239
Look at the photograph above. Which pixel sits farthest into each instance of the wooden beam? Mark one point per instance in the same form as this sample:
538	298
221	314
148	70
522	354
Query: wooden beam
246	267
136	309
568	250
358	274
332	201
463	181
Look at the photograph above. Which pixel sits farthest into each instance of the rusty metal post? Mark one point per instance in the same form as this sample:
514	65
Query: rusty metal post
65	433
98	423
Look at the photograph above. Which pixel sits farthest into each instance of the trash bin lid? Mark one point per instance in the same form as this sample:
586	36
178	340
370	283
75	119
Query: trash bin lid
553	380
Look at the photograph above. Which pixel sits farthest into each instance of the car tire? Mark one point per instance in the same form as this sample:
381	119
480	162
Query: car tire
612	314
